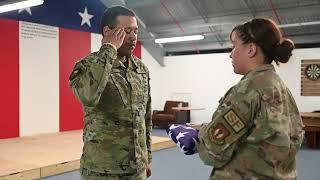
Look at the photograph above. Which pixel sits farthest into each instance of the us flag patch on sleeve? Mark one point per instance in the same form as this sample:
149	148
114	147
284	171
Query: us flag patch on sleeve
234	121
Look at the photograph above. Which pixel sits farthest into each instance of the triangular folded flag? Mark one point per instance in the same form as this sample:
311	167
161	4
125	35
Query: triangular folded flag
185	137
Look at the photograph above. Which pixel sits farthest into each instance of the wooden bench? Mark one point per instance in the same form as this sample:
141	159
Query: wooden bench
311	121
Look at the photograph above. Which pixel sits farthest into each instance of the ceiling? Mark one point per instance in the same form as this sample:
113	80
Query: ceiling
299	19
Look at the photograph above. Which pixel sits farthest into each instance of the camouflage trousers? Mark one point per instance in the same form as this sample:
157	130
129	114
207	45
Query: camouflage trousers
91	175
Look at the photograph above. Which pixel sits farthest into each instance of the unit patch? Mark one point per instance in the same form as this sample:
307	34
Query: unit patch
219	133
234	121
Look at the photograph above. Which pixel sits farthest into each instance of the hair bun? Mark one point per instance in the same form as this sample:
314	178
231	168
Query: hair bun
283	51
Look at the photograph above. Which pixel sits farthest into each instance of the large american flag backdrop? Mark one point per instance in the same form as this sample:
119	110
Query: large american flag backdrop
39	46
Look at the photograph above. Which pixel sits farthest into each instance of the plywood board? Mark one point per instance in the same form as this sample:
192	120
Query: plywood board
48	154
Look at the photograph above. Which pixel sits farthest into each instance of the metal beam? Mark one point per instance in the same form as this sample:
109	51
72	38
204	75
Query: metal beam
298	39
300	24
200	10
311	38
220	4
218	35
231	19
198	23
141	3
156	52
201	46
253	12
109	3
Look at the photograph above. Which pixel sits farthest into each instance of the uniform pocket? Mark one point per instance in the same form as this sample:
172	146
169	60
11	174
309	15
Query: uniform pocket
145	88
140	87
121	86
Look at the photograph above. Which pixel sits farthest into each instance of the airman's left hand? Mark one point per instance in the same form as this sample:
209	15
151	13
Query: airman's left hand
148	170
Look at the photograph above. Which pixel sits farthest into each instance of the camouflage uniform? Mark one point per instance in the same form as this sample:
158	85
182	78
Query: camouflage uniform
117	121
90	175
255	132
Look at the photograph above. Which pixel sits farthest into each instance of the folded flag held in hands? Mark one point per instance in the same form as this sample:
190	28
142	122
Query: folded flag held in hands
185	137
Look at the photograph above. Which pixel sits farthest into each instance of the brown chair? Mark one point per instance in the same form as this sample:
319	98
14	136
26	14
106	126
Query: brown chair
167	116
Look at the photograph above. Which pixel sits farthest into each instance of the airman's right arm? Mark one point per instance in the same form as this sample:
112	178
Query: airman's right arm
91	74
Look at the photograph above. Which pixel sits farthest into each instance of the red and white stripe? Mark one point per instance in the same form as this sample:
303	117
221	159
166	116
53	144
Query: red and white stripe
35	94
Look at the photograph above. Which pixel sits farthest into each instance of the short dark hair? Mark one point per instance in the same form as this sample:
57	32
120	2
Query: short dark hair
266	34
109	17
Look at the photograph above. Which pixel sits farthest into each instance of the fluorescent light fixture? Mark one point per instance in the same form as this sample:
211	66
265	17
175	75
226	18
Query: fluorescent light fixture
11	5
179	39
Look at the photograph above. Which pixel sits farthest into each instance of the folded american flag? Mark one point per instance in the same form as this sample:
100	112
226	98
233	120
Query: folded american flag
185	137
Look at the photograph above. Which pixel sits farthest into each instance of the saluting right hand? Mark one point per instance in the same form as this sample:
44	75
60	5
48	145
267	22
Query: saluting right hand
113	36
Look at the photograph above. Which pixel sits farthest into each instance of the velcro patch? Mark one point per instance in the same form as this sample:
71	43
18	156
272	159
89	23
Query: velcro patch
234	121
219	133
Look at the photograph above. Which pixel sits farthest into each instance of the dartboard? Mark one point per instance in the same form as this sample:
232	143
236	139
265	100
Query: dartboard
313	72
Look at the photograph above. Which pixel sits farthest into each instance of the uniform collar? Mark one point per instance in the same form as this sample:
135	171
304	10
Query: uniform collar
121	62
262	68
132	62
